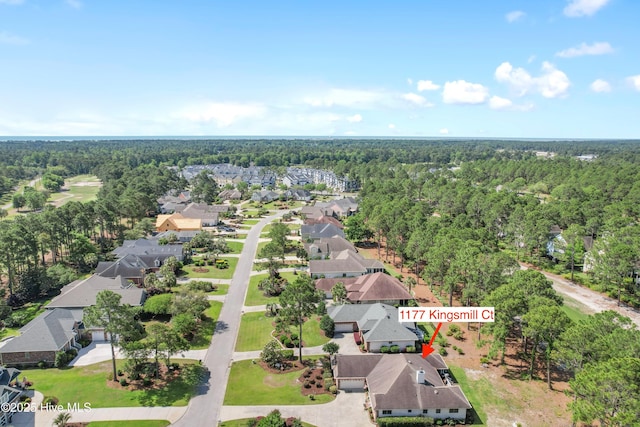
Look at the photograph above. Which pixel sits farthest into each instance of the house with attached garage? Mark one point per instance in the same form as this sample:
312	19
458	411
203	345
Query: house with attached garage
377	325
10	391
323	248
151	251
368	289
402	385
346	263
319	231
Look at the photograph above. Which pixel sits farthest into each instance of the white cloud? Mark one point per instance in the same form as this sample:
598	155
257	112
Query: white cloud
600	86
551	83
514	16
598	48
463	92
577	8
6	38
391	126
347	98
356	118
635	81
76	4
416	99
427	85
222	113
497	103
444	131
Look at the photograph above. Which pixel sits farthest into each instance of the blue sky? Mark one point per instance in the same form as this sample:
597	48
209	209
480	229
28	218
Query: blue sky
462	68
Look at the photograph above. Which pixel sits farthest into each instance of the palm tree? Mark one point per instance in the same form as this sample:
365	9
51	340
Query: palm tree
62	419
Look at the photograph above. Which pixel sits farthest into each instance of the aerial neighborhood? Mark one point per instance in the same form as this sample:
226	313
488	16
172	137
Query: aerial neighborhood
233	294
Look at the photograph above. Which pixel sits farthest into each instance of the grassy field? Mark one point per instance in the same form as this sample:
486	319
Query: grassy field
89	384
312	335
202	339
213	272
81	188
266	388
255	331
236	247
574	309
134	423
255	295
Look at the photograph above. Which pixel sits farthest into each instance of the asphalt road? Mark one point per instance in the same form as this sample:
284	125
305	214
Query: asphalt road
205	408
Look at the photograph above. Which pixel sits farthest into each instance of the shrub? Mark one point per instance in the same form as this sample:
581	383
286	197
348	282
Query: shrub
50	400
460	351
394	349
307	372
135	376
123	382
120	372
200	285
307	384
294	336
318	376
312	381
443	351
287	354
405	422
328	326
319	385
42	364
384	349
147	382
410	349
327	384
333	389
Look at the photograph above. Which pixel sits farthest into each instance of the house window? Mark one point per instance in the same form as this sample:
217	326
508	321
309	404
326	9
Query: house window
453	411
409	411
387	412
437	411
425	411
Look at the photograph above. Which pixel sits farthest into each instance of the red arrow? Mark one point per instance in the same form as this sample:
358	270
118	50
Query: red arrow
427	349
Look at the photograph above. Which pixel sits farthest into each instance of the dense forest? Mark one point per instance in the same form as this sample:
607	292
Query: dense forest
460	214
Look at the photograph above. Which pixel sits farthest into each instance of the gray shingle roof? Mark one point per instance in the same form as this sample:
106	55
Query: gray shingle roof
83	293
50	331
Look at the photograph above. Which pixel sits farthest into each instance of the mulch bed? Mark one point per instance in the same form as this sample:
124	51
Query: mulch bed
165	376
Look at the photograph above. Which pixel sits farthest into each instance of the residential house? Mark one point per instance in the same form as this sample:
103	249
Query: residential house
149	250
369	289
181	236
339	208
10	391
177	222
314	212
265	196
297	194
401	385
230	195
376	324
346	263
324	219
39	340
319	231
173	202
323	248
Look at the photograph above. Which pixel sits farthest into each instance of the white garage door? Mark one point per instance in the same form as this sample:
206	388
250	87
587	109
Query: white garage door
344	327
98	336
351	384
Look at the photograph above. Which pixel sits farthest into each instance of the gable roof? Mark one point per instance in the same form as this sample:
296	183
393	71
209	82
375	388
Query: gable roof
392	384
83	293
50	331
328	245
323	219
317	231
129	266
389	329
346	261
142	247
377	287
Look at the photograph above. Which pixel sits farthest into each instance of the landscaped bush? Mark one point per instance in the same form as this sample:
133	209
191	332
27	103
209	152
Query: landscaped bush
384	349
405	422
147	382
443	351
333	389
50	400
328	326
287	354
327	384
410	349
123	382
394	349
200	285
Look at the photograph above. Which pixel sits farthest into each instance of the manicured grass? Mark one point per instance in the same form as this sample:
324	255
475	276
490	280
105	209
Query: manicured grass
202	339
213	272
249	384
135	423
478	393
89	384
255	295
250	221
236	247
255	331
574	309
312	335
243	423
222	289
78	190
9	332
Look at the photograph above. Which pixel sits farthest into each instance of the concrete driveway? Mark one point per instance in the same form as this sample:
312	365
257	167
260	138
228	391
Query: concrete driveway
346	342
99	352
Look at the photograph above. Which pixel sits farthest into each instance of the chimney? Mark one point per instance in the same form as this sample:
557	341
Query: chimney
420	376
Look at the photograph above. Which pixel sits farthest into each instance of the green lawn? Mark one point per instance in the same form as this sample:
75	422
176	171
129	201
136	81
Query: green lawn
255	296
478	393
222	289
243	423
574	309
135	423
213	272
89	384
249	384
250	221
255	331
81	188
312	335
236	247
202	339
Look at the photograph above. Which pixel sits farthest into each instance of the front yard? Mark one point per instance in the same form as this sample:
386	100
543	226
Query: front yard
89	384
255	296
250	384
211	271
202	340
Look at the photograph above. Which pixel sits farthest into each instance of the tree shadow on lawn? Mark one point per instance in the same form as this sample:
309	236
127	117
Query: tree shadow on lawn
193	380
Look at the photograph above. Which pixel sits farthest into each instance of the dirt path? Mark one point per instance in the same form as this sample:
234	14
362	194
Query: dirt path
595	301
